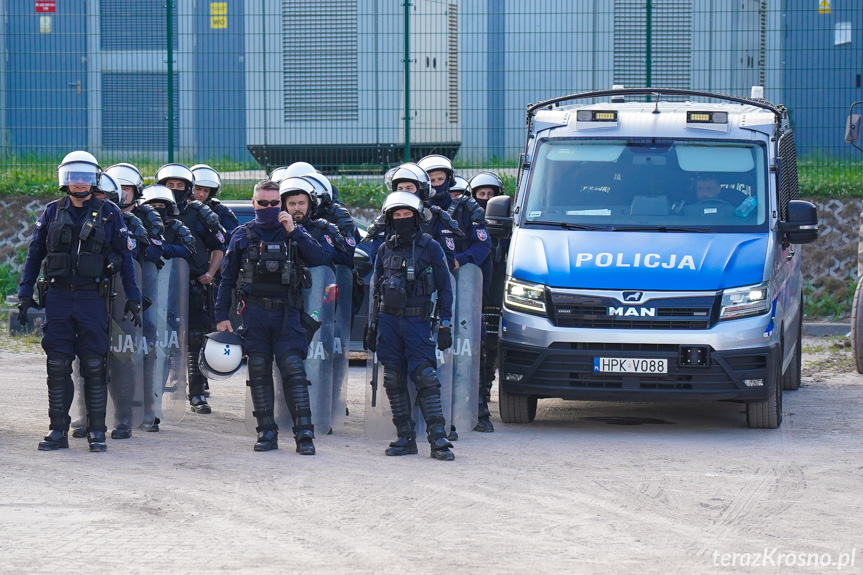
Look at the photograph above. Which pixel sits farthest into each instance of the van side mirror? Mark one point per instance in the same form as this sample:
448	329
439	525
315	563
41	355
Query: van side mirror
801	226
852	128
497	214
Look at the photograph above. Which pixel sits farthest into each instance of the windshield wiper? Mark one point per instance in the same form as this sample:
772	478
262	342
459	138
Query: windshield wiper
661	229
569	226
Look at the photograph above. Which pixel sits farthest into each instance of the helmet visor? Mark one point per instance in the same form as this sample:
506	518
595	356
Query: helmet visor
79	174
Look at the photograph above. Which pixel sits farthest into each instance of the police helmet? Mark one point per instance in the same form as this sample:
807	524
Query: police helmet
110	187
79	168
436	162
177	172
292	186
127	175
486	180
412	173
460	185
322	186
402	200
207	177
300	169
279	174
222	355
159	193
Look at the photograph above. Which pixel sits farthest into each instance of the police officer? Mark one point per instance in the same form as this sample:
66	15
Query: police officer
434	221
483	187
208	184
459	187
266	263
299	199
209	251
83	241
410	267
335	213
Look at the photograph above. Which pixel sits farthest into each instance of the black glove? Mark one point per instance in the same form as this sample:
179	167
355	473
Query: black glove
24	304
444	338
134	307
370	338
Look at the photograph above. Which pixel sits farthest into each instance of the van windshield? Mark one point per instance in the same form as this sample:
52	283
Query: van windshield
689	185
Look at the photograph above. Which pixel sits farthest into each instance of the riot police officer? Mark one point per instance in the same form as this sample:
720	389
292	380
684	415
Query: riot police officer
459	187
299	199
266	263
484	186
82	241
209	251
208	184
409	268
434	221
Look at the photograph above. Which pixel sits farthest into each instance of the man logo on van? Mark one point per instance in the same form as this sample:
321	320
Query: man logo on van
607	260
632	311
632	296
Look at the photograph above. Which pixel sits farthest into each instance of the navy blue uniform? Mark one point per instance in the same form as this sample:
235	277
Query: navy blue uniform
475	245
439	226
339	216
227	218
76	316
404	337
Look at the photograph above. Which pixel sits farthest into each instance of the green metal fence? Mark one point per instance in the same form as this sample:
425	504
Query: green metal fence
354	86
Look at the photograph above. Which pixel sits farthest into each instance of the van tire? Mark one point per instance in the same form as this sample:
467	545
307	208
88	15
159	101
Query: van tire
516	408
857	328
768	414
791	378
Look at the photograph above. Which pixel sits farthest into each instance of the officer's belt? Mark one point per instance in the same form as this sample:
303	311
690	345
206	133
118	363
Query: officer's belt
266	303
93	286
405	311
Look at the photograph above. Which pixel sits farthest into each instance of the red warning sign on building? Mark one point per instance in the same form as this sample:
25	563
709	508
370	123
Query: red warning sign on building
46	6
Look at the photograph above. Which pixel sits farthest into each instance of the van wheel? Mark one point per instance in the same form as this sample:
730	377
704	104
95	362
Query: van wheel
857	328
516	408
768	414
791	378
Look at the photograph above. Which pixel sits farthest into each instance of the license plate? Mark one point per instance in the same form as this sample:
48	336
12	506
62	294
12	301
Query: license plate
629	365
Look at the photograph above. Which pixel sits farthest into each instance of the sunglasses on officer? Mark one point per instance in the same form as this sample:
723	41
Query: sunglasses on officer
270	203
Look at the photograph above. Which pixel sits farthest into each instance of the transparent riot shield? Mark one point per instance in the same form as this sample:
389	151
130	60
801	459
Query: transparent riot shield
165	331
466	335
125	366
341	344
320	303
377	416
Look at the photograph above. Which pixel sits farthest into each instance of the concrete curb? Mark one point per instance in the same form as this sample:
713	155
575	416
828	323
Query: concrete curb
823	329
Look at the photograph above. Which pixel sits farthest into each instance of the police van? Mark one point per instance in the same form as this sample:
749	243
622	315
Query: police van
653	253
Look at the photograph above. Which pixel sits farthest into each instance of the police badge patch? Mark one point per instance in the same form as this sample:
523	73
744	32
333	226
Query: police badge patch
131	243
329	240
220	236
481	235
450	244
351	242
155	242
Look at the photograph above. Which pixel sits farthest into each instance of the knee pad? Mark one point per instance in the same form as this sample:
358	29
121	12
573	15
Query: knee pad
292	369
394	378
426	379
59	366
260	365
92	366
196	339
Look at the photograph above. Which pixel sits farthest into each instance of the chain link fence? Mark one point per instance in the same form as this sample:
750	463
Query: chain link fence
354	86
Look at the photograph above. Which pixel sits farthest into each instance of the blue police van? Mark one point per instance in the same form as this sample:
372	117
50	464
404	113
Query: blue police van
653	253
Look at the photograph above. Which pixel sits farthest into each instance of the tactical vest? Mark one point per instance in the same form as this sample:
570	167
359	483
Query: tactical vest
272	269
404	289
196	211
87	253
476	215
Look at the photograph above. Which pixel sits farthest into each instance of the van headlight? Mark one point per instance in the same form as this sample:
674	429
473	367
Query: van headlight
745	301
526	296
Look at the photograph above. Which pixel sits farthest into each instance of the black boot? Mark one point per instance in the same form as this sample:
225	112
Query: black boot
60	388
197	400
155	427
122	390
483	423
96	398
79	432
428	397
261	389
453	434
296	389
395	384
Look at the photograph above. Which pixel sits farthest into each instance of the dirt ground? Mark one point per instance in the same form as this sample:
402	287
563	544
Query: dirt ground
679	489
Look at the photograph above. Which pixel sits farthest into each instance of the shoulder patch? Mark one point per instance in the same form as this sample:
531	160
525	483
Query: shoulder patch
482	234
351	242
155	242
131	243
329	240
220	236
450	244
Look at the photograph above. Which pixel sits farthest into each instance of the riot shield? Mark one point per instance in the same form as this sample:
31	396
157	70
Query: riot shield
377	416
466	335
165	333
125	365
319	301
341	344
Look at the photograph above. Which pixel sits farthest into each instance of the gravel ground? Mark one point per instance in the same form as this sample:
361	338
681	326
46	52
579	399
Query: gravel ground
677	489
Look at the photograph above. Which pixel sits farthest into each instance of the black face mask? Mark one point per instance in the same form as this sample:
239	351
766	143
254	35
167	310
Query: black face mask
163	213
482	203
79	195
405	229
